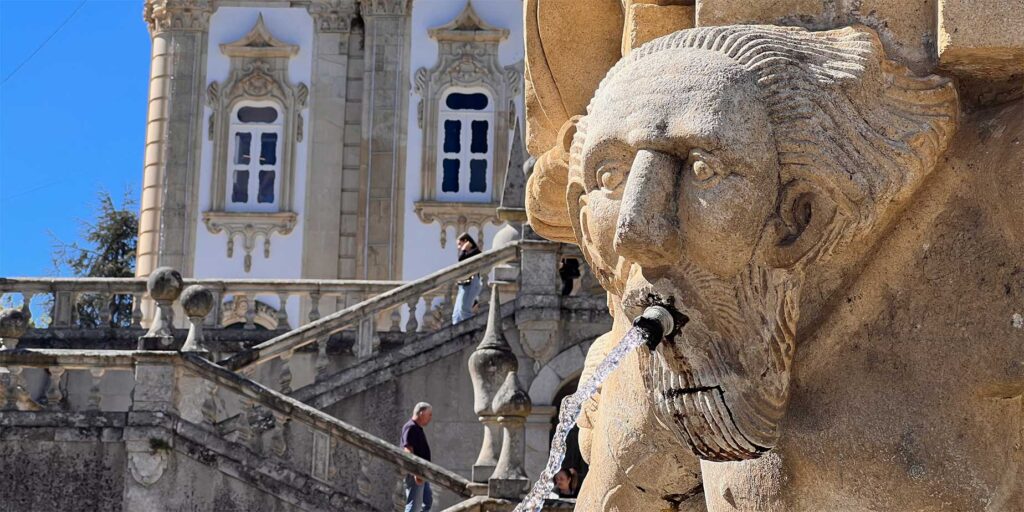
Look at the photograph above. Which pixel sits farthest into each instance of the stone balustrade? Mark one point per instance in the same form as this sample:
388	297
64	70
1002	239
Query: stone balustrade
425	304
235	300
191	402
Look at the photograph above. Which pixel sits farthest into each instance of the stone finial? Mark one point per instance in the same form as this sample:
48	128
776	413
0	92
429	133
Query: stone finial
164	286
13	324
512	406
488	365
197	301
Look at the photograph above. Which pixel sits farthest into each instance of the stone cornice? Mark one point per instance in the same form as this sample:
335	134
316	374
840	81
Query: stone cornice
177	15
468	26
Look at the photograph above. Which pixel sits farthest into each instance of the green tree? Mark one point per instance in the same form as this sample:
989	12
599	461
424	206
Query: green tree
107	250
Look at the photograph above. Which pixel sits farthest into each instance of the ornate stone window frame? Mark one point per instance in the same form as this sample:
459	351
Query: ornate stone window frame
259	73
467	60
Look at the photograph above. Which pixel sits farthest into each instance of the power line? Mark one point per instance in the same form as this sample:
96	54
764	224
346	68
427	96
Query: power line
47	40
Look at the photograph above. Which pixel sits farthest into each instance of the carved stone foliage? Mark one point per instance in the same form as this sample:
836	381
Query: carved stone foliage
163	15
467	57
259	69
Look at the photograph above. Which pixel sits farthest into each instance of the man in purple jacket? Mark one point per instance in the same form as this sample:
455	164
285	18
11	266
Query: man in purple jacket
418	496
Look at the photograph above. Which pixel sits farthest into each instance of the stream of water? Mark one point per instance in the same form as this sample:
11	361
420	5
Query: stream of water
570	411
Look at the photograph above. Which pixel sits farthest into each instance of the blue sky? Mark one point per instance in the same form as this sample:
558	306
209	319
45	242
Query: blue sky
72	120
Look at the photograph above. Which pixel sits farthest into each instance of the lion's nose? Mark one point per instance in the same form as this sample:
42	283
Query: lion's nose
647	231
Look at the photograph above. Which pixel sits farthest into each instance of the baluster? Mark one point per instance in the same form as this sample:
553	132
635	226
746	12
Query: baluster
250	311
284	380
282	311
365	336
95	398
411	325
62	306
279	441
245	433
54	393
211	409
314	306
10	388
448	307
137	310
15	389
484	297
105	305
26	304
213	320
396	319
74	309
321	356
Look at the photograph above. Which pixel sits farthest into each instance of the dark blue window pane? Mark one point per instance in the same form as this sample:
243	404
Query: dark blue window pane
452	132
242	143
450	178
266	193
240	187
479	144
268	148
460	101
257	114
478	175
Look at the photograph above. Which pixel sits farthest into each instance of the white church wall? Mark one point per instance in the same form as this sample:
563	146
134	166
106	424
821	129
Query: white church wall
422	248
229	24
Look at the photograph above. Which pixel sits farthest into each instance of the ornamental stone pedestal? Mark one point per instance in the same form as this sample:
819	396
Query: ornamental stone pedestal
197	301
488	365
164	287
500	402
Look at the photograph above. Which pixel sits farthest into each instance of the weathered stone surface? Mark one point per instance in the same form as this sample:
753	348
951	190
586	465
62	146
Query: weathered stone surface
984	39
855	336
780	12
559	83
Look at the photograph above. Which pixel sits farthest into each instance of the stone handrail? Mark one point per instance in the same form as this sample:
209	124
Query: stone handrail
66	292
14	396
364	312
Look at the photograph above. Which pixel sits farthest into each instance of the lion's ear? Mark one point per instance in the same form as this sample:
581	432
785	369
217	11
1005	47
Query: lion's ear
803	222
545	190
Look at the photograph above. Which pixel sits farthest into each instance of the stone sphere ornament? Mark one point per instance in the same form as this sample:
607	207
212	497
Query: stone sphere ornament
197	301
165	283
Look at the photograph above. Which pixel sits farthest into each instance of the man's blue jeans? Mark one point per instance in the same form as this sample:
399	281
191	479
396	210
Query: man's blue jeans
418	498
464	300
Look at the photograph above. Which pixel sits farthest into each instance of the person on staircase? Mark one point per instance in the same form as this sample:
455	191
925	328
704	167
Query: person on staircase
469	288
418	496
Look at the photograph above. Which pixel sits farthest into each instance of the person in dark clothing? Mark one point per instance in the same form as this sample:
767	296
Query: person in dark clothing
418	496
469	288
569	270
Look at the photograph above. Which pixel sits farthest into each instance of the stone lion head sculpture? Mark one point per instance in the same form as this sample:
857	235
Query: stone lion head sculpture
736	174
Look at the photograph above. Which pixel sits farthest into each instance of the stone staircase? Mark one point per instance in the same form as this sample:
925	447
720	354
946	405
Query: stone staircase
181	427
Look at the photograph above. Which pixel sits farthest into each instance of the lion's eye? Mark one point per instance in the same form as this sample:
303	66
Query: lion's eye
611	176
702	171
706	168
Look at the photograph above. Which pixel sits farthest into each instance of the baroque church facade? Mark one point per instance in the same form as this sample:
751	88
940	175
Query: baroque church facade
327	139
